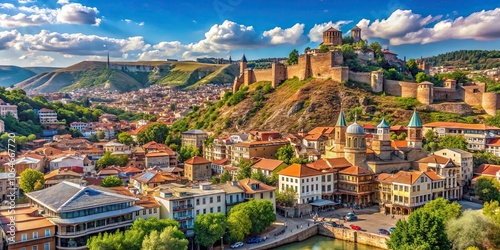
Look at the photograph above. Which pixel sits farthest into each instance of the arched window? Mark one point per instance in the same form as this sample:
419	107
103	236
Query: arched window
349	142
355	142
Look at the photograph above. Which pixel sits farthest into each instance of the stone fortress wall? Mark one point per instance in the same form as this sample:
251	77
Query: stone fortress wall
328	66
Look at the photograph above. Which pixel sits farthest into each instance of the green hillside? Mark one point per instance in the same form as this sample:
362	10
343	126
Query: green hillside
477	59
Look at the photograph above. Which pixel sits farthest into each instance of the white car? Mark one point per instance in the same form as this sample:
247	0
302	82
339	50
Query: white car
237	244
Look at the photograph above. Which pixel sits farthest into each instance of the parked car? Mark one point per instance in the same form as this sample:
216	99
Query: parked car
354	227
335	224
237	244
351	217
392	229
383	232
253	240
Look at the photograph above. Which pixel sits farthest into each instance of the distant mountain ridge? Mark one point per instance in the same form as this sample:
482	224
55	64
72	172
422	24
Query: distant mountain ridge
10	75
128	76
477	59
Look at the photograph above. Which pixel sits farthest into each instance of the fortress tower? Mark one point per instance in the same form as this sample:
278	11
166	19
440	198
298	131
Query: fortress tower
414	137
332	37
355	146
339	137
381	143
425	92
243	64
356	34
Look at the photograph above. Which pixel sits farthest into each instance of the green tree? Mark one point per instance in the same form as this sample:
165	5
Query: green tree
29	179
285	153
298	160
93	138
413	67
443	208
153	132
423	230
377	49
421	77
225	177
323	48
101	135
109	160
481	157
348	51
452	141
260	212
208	228
245	169
214	180
492	210
111	241
459	76
238	225
306	49
172	106
188	152
112	181
430	141
260	176
125	138
487	189
75	133
293	58
480	231
286	197
171	238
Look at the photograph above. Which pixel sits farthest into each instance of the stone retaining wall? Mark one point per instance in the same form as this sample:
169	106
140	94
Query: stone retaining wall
300	236
354	236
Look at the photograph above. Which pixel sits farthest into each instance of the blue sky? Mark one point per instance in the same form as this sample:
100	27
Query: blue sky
63	32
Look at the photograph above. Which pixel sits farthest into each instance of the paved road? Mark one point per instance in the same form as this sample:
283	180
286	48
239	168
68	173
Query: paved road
470	205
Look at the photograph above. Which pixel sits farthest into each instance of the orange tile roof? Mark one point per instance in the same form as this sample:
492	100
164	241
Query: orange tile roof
405	177
458	125
131	169
330	163
299	170
487	169
160	153
247	185
355	170
197	160
384	177
435	159
313	137
267	164
398	128
220	161
494	142
259	143
368	126
434	176
58	172
25	220
322	130
399	144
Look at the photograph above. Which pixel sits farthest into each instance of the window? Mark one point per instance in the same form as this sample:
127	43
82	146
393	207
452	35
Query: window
271	194
418	188
211	210
204	201
422	179
302	180
197	211
144	212
154	210
46	246
218	198
34	247
24	237
35	235
204	211
197	202
211	200
136	213
296	180
262	195
218	209
47	232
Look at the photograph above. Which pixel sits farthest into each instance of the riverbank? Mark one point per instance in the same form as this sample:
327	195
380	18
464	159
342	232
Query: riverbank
349	235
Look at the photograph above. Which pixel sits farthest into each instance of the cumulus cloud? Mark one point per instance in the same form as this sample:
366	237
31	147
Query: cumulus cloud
7	37
406	27
7	6
37	60
62	2
316	33
76	13
292	35
26	1
399	23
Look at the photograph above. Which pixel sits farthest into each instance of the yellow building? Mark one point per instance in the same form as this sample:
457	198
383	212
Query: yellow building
259	149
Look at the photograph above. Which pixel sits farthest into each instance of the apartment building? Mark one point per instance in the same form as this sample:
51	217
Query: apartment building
255	149
463	159
355	185
183	203
162	159
446	168
305	181
81	212
47	116
268	166
197	169
7	109
235	194
478	136
403	192
258	190
33	230
194	137
6	188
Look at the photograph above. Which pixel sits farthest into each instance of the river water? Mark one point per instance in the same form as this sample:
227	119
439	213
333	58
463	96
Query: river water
325	243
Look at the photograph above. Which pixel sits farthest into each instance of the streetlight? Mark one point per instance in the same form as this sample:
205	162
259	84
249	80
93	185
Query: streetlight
221	243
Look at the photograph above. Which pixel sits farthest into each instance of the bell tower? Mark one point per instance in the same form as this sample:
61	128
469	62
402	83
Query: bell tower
381	143
355	145
243	64
339	137
414	137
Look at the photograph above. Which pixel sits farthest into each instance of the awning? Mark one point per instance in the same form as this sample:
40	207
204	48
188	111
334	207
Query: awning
320	203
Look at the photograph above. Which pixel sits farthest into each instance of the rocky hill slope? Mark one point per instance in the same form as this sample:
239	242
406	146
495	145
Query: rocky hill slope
296	105
90	74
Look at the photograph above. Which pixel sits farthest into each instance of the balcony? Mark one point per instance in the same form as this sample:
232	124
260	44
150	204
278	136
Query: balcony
96	229
183	218
231	203
182	208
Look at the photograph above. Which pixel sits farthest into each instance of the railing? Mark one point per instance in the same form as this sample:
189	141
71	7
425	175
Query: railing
185	207
182	218
89	230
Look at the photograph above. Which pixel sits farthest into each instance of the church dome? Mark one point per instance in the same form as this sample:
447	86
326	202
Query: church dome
355	128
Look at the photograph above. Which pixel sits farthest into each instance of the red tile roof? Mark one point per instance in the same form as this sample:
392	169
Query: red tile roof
267	164
197	160
299	170
355	170
399	144
220	161
435	159
247	185
487	169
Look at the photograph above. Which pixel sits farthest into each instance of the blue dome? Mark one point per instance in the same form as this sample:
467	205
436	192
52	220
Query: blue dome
355	128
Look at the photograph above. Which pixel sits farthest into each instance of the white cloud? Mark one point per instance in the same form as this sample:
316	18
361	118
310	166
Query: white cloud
7	6
141	24
7	38
316	33
62	2
406	27
37	60
127	20
76	13
292	35
26	1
